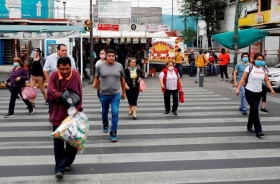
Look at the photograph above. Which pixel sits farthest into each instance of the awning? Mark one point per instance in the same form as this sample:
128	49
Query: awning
38	32
246	37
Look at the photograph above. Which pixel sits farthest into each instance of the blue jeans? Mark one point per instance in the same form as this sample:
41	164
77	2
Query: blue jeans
243	102
64	157
191	69
213	69
180	69
114	100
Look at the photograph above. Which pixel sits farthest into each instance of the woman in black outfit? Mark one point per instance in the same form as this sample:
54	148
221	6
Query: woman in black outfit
132	79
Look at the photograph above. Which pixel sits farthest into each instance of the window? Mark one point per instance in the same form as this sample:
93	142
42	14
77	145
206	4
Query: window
134	20
265	5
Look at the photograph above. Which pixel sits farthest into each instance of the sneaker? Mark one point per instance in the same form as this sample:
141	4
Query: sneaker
244	112
113	136
59	175
32	110
68	168
105	128
9	115
222	79
264	110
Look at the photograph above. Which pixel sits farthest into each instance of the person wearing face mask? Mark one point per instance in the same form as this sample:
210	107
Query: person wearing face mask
237	75
253	77
170	84
102	55
17	79
132	79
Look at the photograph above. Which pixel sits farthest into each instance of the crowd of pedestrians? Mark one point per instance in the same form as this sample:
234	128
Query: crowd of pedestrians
115	83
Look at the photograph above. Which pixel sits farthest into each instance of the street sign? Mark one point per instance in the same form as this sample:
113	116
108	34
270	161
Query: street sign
152	27
133	27
108	27
165	28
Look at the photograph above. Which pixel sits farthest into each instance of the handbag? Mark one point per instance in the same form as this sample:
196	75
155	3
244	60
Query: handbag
142	86
70	98
181	97
28	92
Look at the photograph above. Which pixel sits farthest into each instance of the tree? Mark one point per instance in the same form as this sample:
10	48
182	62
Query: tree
212	11
189	35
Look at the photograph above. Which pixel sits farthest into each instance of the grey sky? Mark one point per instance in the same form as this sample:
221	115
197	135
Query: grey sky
81	7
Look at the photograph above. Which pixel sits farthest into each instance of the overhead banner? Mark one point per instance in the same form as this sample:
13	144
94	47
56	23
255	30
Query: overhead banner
121	10
38	35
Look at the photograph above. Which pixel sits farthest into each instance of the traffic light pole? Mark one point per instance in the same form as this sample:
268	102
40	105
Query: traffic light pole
91	45
235	37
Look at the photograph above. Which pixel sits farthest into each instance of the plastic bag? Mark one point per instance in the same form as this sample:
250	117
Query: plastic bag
73	130
142	86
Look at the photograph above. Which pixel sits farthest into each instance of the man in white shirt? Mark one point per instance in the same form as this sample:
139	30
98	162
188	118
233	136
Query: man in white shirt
51	62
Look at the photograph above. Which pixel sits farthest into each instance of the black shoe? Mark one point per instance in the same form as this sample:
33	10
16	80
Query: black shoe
9	115
264	110
32	110
59	175
175	113
259	134
134	117
68	168
166	112
251	130
113	136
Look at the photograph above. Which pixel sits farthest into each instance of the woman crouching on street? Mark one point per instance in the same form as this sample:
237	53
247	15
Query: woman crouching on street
253	77
132	79
17	79
170	84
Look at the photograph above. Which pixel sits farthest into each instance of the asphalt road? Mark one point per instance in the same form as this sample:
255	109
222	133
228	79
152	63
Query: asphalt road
206	143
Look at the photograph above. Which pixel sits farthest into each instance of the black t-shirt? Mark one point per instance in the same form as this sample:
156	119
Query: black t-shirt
37	69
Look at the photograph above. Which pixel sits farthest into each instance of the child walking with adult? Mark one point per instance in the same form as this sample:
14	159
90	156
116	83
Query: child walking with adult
17	81
253	77
132	80
237	75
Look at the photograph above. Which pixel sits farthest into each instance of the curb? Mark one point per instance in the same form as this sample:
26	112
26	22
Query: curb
2	86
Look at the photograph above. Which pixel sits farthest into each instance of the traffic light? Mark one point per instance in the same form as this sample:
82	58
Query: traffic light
88	25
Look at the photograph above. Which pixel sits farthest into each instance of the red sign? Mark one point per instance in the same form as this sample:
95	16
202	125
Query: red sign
108	27
254	48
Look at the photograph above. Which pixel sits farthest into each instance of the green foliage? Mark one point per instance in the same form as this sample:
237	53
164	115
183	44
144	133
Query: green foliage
212	11
189	35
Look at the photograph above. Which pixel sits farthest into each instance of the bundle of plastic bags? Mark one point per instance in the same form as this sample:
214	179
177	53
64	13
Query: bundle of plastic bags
73	130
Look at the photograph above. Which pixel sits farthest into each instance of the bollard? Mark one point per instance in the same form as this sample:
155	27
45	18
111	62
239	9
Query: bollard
201	79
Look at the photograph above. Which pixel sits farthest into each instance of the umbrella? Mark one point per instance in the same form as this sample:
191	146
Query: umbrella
246	37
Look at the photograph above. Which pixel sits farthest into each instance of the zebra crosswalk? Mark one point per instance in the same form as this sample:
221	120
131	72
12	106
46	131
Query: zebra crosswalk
206	143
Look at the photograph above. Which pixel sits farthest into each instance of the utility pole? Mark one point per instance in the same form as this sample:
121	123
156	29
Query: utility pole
185	23
172	17
64	5
235	37
91	45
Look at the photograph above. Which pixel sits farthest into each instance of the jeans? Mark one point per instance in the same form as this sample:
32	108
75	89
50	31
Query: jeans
63	157
15	91
192	69
253	100
213	69
198	70
243	102
223	70
264	91
114	100
180	69
167	95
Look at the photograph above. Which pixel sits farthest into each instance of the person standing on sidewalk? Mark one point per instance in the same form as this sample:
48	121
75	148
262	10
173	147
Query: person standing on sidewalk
201	61
110	79
224	59
132	80
17	79
253	76
191	59
179	58
212	61
170	82
237	75
64	78
36	74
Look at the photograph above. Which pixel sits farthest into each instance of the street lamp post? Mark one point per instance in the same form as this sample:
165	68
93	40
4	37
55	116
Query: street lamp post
64	5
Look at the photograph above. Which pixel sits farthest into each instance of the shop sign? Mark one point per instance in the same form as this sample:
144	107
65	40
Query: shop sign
162	51
108	27
254	48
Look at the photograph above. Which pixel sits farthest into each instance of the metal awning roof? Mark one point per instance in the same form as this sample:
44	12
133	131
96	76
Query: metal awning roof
38	32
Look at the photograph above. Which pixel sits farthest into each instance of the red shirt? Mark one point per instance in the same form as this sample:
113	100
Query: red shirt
224	59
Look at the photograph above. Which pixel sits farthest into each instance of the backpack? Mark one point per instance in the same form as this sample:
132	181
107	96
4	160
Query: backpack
200	57
250	70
